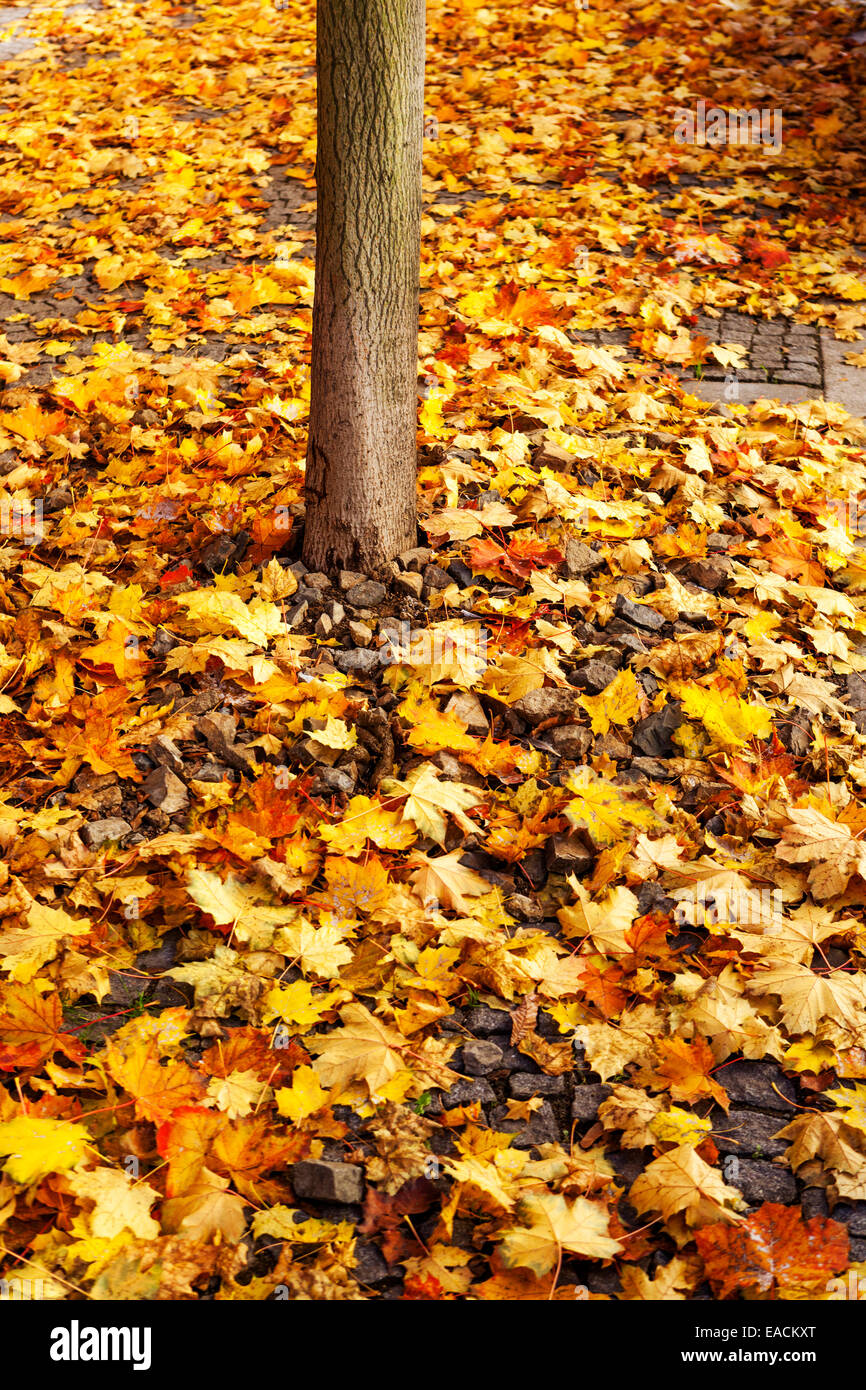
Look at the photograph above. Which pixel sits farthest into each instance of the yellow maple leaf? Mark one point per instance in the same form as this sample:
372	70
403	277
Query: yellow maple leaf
230	901
853	1102
632	1112
445	880
26	949
552	1225
807	998
729	721
363	1048
120	1203
216	610
605	812
681	1182
36	1147
431	799
236	1094
304	1097
299	1005
673	1281
321	950
365	819
677	1126
280	1222
619	703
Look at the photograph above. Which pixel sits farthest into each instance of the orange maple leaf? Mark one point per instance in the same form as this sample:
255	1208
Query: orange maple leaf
31	1026
774	1249
685	1070
157	1090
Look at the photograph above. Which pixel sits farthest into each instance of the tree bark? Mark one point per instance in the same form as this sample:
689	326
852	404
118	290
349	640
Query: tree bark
361	459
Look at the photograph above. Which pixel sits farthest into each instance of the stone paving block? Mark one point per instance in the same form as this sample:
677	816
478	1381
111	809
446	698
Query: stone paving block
749	393
587	1099
748	1133
844	384
320	1181
762	1085
763	1182
542	1128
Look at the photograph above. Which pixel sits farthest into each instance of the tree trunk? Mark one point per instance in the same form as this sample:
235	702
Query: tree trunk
361	460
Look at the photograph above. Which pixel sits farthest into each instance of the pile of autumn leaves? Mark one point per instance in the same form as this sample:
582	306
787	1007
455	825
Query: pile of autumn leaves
150	1163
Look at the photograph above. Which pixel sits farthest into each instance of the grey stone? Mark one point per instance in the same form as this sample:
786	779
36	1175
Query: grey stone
523	1085
653	768
710	573
484	1020
515	1060
210	772
367	595
752	1083
349	579
162	788
854	1216
357	661
606	1281
162	644
337	780
453	1022
411	582
714	391
466	1092
615	747
813	1202
217	554
638	614
416	558
808	376
550	702
763	1182
594	676
652	736
744	1132
467	706
587	1099
628	1164
296	613
57	500
370	1267
855	692
519	905
571	741
481	1056
541	1128
460	573
566	854
164	750
219	730
317	1180
435	577
580	558
101	832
